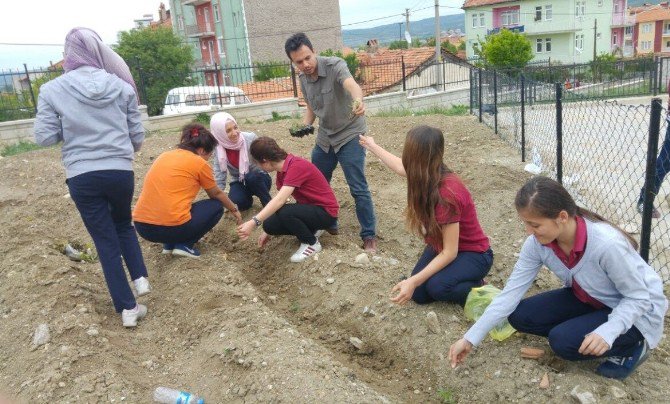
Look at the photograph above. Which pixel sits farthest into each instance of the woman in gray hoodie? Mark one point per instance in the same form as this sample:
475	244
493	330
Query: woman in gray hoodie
93	110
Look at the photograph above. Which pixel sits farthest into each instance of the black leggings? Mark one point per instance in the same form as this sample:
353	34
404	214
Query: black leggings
299	220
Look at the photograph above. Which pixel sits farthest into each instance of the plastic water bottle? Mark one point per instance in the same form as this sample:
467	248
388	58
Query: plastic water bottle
166	395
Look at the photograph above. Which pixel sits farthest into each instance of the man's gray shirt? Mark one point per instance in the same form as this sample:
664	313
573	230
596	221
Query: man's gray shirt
331	102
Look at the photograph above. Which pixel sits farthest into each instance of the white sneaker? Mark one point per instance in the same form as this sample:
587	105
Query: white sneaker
142	286
131	316
306	250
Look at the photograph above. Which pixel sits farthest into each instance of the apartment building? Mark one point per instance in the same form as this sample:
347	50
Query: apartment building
237	33
651	33
569	31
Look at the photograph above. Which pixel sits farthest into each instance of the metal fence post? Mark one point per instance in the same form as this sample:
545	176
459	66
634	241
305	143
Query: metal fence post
30	86
293	83
523	118
495	102
479	95
559	132
655	64
472	90
402	67
218	84
649	178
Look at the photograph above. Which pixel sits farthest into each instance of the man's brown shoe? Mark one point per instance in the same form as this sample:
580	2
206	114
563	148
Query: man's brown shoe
370	245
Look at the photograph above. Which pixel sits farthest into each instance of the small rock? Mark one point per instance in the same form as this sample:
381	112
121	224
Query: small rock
433	322
61	384
272	298
357	343
92	332
497	373
148	364
393	261
362	258
330	281
617	392
417	391
41	335
544	383
66	196
583	396
368	312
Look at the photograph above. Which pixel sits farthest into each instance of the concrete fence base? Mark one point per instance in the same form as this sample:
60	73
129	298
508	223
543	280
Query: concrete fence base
17	131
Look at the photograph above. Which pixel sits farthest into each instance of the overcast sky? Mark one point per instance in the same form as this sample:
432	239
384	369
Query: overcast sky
47	22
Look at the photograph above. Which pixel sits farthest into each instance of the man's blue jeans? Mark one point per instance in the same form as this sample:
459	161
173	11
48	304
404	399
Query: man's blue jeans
662	166
351	157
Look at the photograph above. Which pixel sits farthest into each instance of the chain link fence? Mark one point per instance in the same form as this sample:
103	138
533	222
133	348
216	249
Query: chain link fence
597	148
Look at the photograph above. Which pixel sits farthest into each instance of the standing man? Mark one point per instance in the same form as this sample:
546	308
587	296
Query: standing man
335	97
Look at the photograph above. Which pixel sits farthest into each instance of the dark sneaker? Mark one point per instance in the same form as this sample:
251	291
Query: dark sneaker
167	248
370	245
185	251
655	213
620	367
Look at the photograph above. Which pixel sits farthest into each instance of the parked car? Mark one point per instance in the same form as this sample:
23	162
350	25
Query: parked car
202	98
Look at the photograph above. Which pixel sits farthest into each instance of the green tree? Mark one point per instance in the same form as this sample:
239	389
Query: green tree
505	50
269	70
604	67
158	60
401	44
351	59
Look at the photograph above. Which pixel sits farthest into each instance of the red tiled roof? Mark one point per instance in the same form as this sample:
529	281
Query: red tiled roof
479	3
655	14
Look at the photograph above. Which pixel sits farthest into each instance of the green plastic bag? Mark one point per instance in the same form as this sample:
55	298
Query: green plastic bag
477	301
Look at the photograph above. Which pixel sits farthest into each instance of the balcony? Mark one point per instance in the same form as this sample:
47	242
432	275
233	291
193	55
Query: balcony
513	28
199	31
194	2
622	20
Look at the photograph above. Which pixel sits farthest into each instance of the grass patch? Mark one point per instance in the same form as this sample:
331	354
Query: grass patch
202	118
22	147
455	110
446	396
295	306
277	117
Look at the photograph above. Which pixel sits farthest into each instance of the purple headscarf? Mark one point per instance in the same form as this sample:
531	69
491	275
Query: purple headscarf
84	47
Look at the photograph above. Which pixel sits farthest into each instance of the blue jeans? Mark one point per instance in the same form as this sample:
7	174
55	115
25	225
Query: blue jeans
453	282
205	215
351	157
103	200
662	166
256	183
565	321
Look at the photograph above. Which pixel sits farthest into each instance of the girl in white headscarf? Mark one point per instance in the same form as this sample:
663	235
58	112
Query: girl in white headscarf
93	110
232	159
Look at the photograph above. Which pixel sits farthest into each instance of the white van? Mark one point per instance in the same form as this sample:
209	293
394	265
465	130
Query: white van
202	98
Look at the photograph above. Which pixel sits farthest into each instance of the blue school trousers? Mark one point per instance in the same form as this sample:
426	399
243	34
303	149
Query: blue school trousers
565	321
453	282
103	200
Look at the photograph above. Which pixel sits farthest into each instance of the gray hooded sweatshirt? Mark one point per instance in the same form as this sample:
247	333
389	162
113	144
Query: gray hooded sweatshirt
95	115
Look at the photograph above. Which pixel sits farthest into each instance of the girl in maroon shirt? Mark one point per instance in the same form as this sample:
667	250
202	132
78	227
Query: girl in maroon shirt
440	209
316	208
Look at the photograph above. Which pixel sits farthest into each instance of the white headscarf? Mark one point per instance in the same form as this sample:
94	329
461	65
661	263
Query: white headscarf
218	126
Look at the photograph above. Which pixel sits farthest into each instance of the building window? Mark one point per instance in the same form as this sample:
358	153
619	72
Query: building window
539	45
478	20
616	7
510	17
645	45
548	12
547	45
538	13
180	23
667	44
481	20
615	40
628	31
474	21
646	28
219	41
579	41
666	27
580	8
235	19
217	15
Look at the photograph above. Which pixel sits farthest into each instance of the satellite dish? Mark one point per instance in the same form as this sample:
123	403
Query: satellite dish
408	38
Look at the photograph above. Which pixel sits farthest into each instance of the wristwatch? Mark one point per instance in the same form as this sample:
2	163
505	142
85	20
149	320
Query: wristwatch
257	221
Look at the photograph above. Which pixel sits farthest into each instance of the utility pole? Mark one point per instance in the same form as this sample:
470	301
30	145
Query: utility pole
406	14
400	31
437	31
595	37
